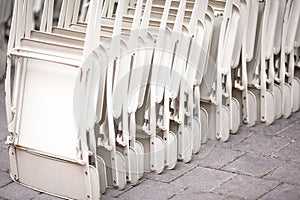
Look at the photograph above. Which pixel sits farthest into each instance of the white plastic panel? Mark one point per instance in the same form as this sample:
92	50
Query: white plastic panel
51	176
47	122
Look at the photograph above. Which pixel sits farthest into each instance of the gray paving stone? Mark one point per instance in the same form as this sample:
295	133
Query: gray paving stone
295	115
284	191
246	187
253	165
203	179
109	198
4	179
243	133
292	132
233	198
290	152
3	146
4	166
170	175
218	157
262	144
276	128
288	173
46	197
152	190
16	191
196	195
3	133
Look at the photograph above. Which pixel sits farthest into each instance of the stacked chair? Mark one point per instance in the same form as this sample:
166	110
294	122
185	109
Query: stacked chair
116	89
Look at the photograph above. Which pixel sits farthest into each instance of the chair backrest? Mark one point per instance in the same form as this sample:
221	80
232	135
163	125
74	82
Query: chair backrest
291	27
279	27
251	29
196	29
230	36
271	28
242	30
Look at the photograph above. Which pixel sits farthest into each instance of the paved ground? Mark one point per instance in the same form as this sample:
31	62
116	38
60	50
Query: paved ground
261	162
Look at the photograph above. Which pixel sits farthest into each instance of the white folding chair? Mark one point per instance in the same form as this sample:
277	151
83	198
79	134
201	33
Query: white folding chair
229	60
211	89
58	142
203	61
257	67
240	83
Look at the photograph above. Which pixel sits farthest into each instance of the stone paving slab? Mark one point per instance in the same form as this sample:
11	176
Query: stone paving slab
169	175
4	179
4	166
196	195
246	187
283	191
46	197
203	179
218	157
288	173
16	191
262	144
253	165
292	131
290	152
3	146
279	126
152	190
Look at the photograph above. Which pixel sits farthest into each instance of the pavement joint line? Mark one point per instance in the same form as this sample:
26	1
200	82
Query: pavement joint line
276	167
264	154
270	190
177	193
274	179
6	185
241	140
238	150
287	182
290	126
218	186
233	160
195	166
226	195
223	170
172	196
184	173
290	142
6	171
240	173
284	159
